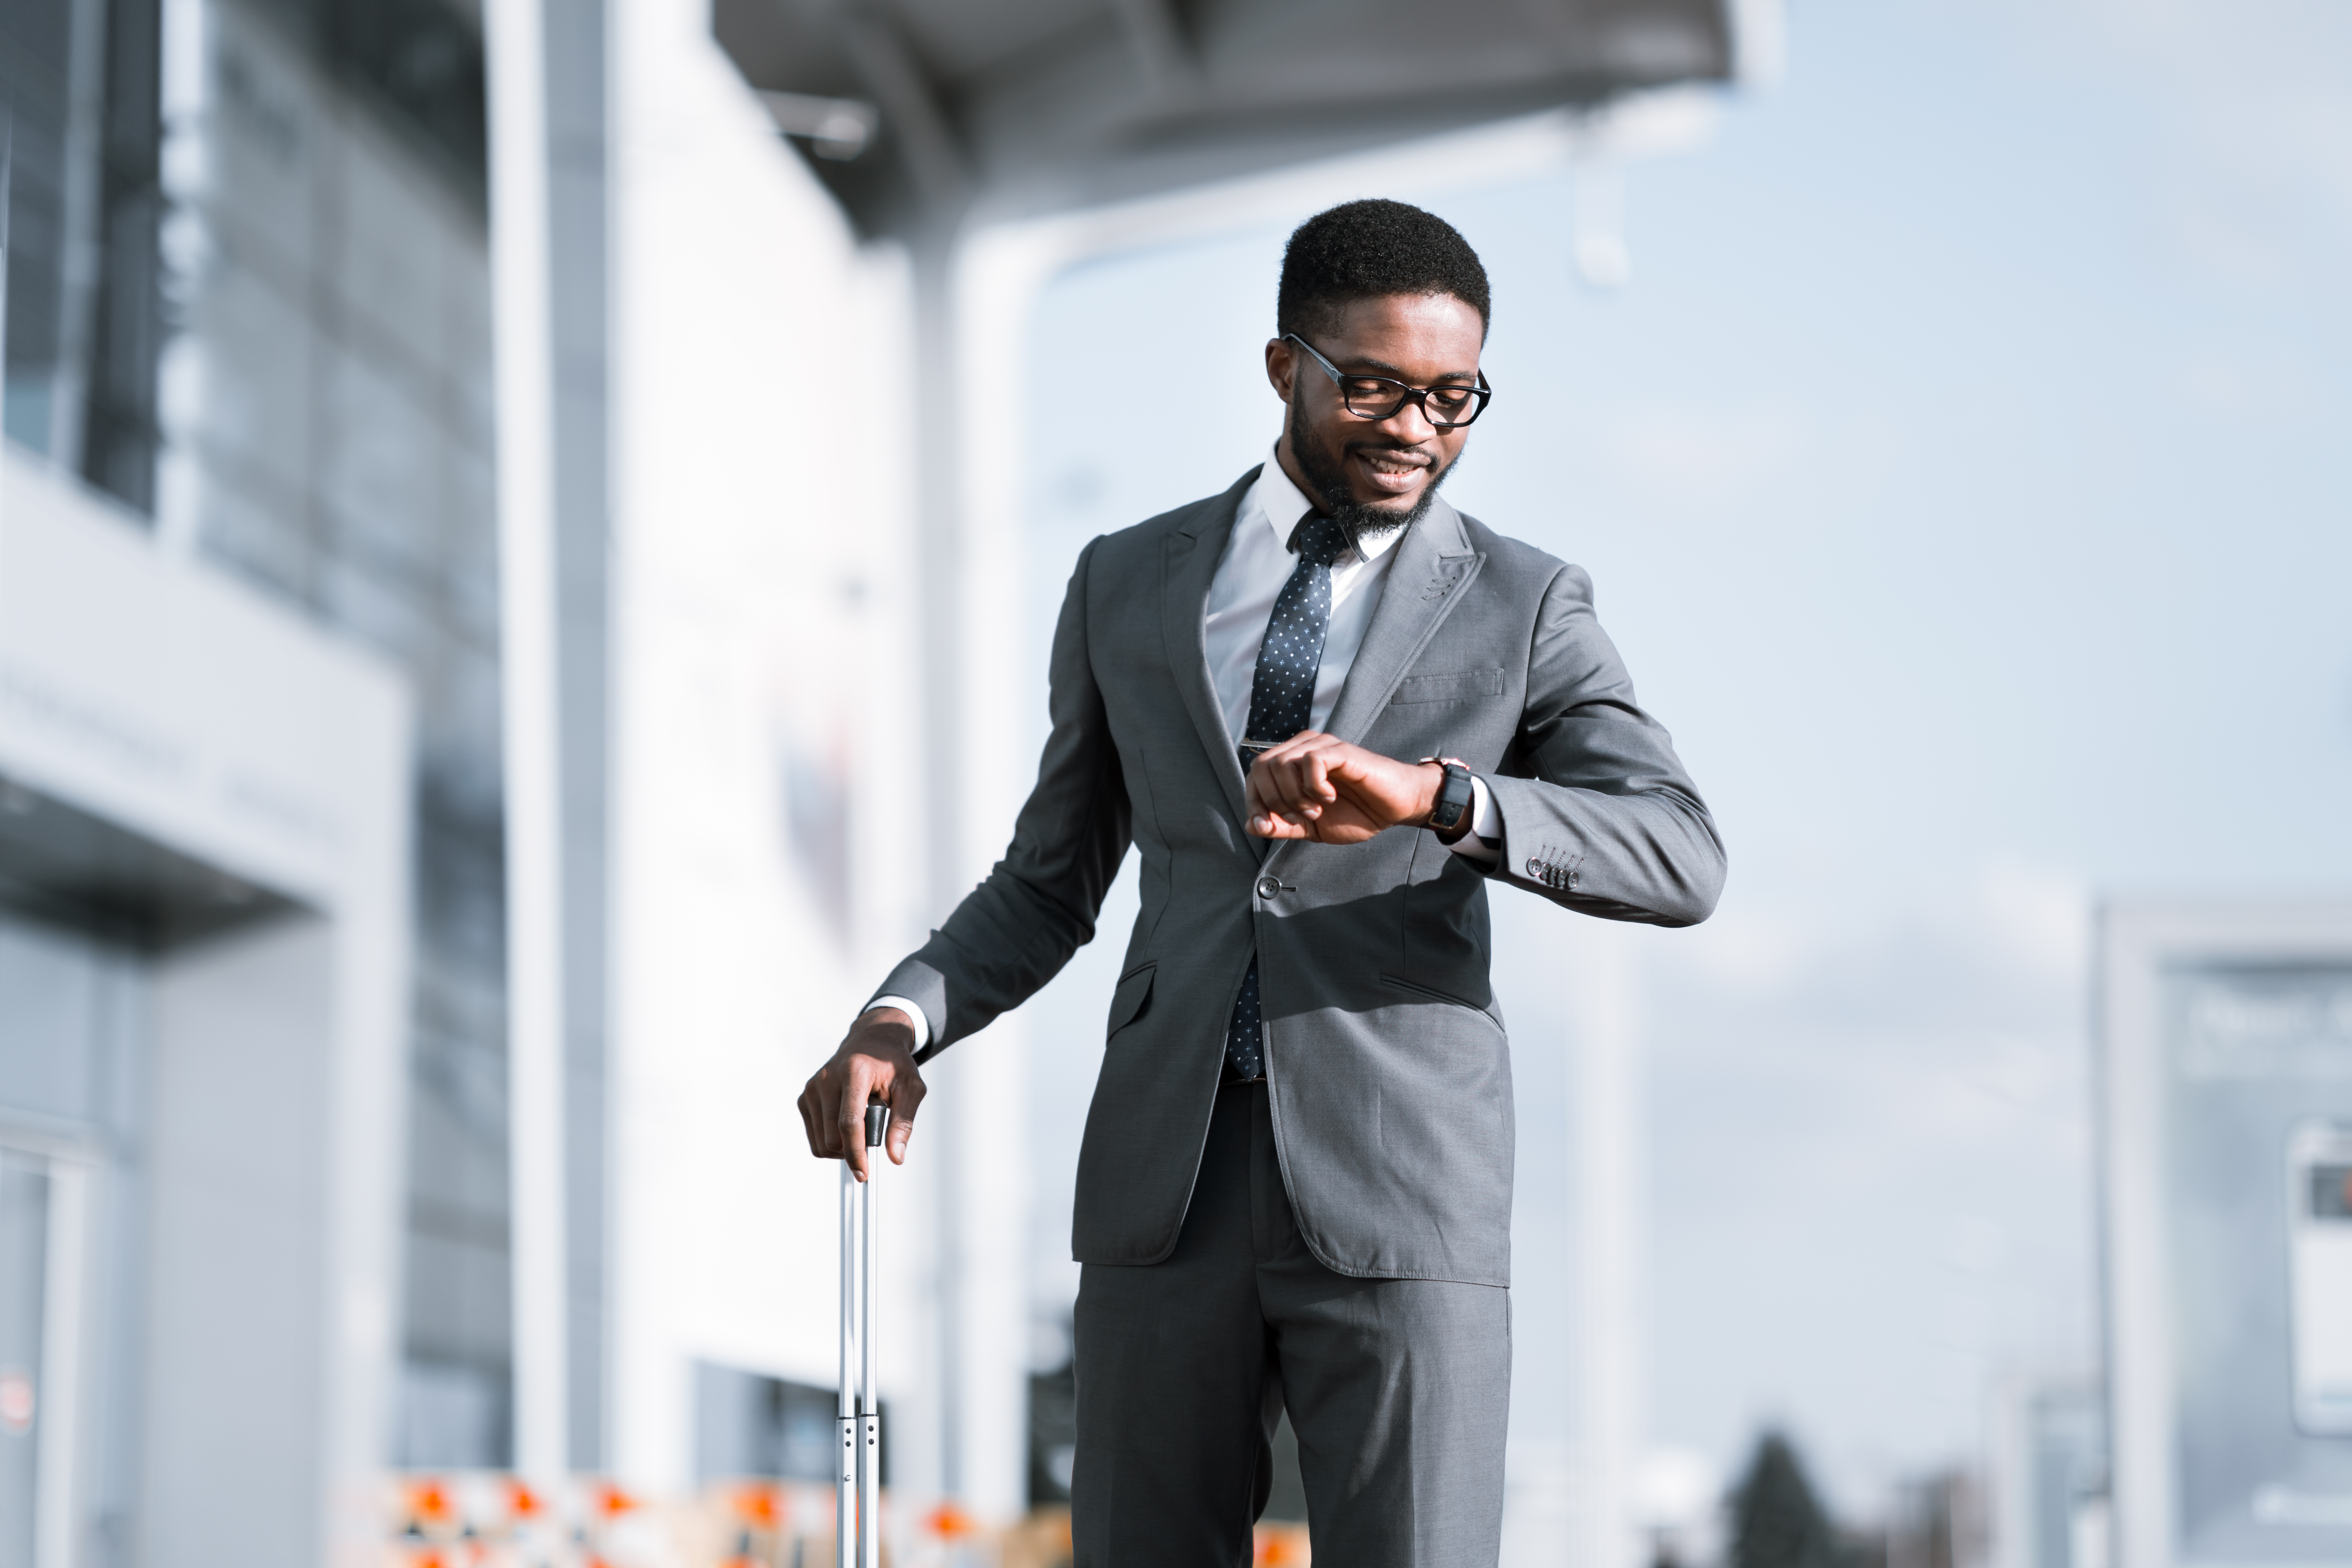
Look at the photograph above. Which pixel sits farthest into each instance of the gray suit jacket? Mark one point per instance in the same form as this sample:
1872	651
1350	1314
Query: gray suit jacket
1388	1072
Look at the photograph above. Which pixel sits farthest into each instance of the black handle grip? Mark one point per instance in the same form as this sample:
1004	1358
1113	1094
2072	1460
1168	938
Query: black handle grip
877	1118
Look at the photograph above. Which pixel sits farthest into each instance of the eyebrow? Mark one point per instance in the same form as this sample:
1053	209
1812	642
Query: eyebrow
1396	373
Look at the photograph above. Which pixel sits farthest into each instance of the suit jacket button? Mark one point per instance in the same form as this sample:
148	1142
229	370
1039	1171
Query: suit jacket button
1535	867
1267	887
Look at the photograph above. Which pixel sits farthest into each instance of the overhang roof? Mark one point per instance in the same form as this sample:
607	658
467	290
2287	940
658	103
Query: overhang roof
60	864
1023	107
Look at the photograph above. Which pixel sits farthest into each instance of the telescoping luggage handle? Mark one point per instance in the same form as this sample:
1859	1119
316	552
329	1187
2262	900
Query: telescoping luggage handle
857	1497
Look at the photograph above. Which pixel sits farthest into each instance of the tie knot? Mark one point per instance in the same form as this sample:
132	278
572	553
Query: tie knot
1318	539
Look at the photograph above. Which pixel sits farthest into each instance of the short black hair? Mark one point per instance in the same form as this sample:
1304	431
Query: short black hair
1363	250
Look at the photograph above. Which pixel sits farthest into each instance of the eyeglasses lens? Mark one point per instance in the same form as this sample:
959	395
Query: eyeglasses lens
1445	406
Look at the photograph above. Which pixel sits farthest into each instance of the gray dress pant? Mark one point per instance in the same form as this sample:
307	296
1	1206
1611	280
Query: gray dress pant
1399	1390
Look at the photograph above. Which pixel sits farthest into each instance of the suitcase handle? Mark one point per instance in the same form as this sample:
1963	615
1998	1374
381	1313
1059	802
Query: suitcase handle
858	1522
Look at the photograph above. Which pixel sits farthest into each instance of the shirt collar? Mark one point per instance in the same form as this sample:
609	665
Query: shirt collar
1283	504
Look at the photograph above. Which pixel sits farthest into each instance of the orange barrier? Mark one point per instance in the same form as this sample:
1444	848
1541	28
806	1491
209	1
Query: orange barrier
484	1519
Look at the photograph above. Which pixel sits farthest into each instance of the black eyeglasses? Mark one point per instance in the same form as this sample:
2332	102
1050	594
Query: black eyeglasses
1377	397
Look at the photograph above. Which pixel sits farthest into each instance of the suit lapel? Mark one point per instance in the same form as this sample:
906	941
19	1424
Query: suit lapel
1188	567
1434	563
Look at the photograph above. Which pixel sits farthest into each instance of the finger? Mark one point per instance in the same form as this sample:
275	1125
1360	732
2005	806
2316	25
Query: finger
807	1106
878	1088
1283	787
1314	769
1259	787
1352	764
1291	797
1280	805
905	1095
1267	804
849	1121
1298	782
826	1110
1290	748
1309	757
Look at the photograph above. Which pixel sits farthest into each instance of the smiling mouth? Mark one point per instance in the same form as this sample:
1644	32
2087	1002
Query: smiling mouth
1393	473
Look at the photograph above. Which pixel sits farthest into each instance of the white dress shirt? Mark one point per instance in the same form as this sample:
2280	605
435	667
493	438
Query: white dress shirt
1257	562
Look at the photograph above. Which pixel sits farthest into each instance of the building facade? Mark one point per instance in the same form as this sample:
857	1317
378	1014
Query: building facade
249	369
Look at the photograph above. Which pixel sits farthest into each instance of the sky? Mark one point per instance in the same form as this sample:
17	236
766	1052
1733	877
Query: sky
1964	474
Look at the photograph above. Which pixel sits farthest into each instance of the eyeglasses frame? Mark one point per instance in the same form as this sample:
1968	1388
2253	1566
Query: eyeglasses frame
1416	395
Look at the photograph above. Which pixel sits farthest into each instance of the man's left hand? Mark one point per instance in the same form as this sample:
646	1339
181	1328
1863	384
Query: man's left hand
1319	787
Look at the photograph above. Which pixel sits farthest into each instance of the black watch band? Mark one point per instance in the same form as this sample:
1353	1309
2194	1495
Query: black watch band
1449	818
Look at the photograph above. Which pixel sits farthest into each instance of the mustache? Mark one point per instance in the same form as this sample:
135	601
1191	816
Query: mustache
1396	449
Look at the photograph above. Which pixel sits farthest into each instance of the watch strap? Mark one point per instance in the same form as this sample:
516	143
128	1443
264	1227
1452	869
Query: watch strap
1449	817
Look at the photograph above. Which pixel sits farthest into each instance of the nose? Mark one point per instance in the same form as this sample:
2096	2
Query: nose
1409	425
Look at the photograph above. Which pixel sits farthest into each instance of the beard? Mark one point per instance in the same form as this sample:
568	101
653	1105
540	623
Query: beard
1328	484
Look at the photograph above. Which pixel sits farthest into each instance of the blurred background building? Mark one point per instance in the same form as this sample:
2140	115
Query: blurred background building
527	536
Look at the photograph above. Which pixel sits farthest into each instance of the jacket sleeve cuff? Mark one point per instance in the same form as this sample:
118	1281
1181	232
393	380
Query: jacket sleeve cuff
910	1008
1541	853
920	991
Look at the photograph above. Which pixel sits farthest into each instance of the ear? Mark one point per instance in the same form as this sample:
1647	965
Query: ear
1281	367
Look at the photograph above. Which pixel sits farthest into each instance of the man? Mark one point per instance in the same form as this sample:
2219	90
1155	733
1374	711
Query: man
1295	1188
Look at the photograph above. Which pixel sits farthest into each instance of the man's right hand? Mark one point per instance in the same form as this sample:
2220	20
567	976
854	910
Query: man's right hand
875	1062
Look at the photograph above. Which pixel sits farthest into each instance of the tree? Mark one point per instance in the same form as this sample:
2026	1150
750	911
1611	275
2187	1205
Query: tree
1776	1520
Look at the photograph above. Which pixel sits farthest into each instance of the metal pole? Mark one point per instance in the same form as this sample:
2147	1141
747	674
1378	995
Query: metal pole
869	1469
845	1502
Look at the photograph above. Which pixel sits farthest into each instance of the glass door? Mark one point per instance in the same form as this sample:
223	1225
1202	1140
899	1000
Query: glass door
71	1023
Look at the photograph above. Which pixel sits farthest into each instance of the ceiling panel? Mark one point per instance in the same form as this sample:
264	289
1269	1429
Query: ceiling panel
1027	106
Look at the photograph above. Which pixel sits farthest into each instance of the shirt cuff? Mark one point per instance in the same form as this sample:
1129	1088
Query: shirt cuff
922	1024
1484	842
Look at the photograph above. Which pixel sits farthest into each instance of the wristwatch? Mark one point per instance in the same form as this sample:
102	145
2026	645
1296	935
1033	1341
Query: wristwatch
1450	817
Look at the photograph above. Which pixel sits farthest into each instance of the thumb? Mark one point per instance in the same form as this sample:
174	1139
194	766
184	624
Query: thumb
905	1095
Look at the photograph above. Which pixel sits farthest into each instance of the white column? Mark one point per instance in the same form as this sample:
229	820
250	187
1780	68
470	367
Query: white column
57	1498
1606	1113
524	391
982	304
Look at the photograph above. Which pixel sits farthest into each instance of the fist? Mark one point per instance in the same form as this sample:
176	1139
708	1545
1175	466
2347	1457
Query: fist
1319	787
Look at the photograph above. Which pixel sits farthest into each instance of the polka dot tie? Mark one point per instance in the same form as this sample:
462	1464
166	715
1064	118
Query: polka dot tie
1282	703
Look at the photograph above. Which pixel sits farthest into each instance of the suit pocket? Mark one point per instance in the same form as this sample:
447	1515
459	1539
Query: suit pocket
1433	993
1127	1003
1463	686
